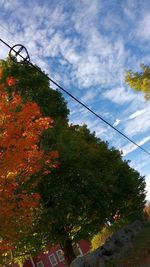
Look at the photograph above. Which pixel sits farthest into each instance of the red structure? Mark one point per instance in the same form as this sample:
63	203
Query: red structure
54	257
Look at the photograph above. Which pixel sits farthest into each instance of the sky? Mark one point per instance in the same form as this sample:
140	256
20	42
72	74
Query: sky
86	46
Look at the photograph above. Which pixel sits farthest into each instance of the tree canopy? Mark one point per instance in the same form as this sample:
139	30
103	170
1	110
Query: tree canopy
139	81
92	184
34	87
21	126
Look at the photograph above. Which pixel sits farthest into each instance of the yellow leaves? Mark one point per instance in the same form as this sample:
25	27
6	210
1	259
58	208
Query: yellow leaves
145	86
145	81
139	81
74	230
11	175
45	123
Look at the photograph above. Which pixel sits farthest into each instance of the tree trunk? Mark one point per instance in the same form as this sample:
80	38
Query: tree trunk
68	251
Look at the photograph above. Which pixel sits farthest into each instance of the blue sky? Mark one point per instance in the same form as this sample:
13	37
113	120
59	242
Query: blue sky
86	46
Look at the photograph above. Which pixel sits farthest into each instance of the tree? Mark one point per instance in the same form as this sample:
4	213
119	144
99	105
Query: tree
21	125
34	87
139	81
92	185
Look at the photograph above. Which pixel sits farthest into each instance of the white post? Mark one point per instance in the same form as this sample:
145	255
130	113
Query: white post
33	264
12	258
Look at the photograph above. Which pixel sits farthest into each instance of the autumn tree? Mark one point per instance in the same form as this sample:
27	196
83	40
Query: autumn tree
21	125
139	81
34	87
92	185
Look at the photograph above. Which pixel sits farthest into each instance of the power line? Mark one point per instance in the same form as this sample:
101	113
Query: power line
72	96
6	29
8	32
5	43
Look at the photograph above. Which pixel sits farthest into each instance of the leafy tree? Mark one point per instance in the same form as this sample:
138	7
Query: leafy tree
34	87
21	126
140	81
92	185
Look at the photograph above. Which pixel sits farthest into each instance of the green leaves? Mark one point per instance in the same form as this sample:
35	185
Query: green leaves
92	185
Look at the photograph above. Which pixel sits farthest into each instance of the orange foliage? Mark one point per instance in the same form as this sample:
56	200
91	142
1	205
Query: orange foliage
10	81
1	73
21	126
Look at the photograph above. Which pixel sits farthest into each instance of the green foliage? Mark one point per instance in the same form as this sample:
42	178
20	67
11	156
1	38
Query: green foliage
89	188
92	183
30	244
33	86
139	81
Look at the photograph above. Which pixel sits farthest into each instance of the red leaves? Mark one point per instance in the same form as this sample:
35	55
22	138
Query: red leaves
21	125
11	81
36	196
4	245
1	73
20	132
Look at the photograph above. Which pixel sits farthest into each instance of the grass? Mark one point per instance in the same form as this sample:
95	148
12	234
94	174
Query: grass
139	254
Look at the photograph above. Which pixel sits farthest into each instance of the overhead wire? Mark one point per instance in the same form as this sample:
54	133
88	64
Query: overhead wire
5	29
77	100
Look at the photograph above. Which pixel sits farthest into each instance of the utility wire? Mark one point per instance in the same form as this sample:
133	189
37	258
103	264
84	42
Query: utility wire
76	99
6	29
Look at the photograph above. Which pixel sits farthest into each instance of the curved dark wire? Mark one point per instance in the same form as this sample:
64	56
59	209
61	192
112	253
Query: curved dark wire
17	53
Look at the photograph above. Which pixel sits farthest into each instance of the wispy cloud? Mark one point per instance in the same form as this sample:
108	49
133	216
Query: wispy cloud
117	121
138	113
119	95
131	147
89	96
138	122
92	61
86	46
143	29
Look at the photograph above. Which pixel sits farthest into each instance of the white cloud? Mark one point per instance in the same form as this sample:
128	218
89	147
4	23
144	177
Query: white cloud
119	95
131	147
8	4
84	20
139	122
117	122
45	34
89	96
143	28
129	7
137	113
101	63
